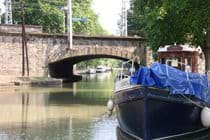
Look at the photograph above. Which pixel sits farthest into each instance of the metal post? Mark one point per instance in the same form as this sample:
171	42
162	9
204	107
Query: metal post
124	18
8	13
69	24
23	44
126	24
27	61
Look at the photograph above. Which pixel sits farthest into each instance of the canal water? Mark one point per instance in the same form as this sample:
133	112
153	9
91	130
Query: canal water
72	112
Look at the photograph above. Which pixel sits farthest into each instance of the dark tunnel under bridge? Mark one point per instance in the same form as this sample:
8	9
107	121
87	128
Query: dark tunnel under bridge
63	69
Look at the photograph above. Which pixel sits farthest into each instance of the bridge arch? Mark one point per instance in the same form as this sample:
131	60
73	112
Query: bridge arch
47	49
64	68
61	59
94	51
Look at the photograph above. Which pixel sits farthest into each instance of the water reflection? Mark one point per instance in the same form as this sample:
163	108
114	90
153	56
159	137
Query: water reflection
98	76
24	116
76	112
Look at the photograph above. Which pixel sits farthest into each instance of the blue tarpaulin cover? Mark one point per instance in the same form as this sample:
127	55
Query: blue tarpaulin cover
176	81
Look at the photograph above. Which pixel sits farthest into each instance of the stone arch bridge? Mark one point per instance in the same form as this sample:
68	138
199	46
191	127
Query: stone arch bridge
123	48
48	54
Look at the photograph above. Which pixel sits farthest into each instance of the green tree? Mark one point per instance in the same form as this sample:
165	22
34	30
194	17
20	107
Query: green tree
173	21
40	12
137	15
82	9
93	63
49	15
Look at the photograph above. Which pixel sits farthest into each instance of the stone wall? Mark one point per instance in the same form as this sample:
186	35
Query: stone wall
7	28
41	45
11	55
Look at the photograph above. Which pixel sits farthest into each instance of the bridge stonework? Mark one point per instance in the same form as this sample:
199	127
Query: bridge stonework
112	46
45	49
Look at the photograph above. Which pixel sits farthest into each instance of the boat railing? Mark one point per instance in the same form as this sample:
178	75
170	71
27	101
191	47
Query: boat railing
123	75
122	80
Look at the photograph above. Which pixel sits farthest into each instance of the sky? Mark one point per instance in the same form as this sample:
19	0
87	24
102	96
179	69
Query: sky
109	13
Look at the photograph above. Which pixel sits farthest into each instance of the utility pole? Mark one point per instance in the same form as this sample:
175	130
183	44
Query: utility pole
8	13
69	24
124	18
24	42
23	31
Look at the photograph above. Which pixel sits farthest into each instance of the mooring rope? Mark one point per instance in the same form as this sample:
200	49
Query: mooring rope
193	102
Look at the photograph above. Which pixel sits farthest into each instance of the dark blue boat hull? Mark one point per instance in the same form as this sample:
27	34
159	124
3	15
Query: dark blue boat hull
149	113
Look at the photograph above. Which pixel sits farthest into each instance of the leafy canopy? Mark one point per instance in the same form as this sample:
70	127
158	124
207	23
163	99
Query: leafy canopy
170	21
48	14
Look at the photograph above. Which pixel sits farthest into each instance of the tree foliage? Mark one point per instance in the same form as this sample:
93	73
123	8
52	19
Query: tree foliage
82	9
40	12
48	14
93	63
171	21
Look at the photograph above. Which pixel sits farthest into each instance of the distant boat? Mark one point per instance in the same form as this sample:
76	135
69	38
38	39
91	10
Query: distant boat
91	71
108	68
101	69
